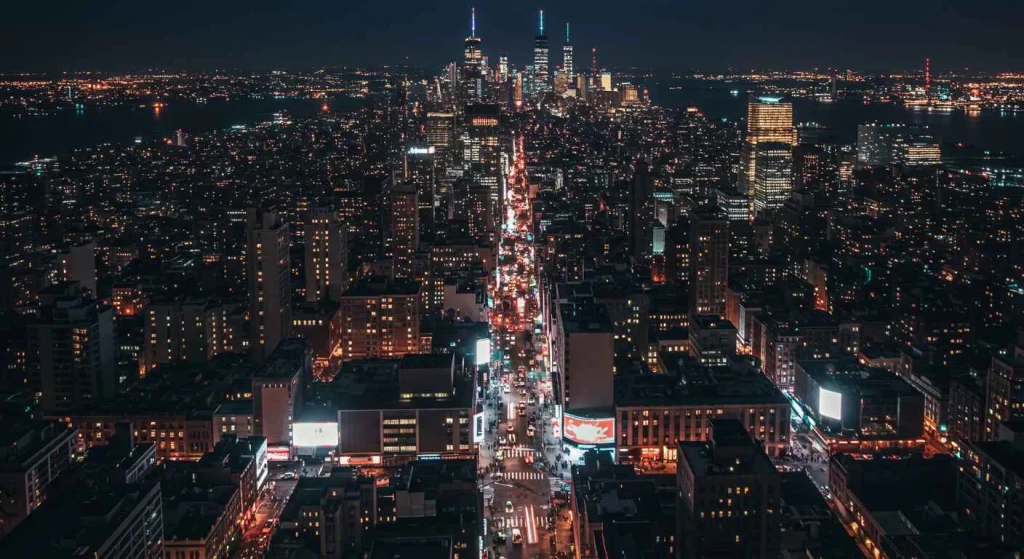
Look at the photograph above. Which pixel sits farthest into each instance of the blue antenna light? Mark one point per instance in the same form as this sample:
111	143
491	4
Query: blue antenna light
567	32
472	23
542	22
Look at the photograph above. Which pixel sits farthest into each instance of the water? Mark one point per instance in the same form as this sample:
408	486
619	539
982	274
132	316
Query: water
989	130
59	133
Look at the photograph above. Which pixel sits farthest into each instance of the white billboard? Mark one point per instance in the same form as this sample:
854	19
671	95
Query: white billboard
478	428
830	404
483	351
315	434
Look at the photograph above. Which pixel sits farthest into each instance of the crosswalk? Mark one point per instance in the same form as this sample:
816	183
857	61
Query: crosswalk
555	484
518	521
517	452
523	476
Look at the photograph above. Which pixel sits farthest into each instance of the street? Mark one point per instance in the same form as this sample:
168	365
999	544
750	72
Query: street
521	454
272	501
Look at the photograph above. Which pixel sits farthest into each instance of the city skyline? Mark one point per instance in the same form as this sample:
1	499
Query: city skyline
872	36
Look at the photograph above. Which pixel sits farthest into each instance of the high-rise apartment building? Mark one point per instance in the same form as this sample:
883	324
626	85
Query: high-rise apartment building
769	120
709	261
270	282
773	177
541	74
1004	393
405	228
380	319
326	254
70	352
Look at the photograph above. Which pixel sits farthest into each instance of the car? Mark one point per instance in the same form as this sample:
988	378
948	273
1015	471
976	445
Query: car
510	428
522	392
502	440
288	475
506	389
508	507
522	413
511	438
517	536
528	457
529	431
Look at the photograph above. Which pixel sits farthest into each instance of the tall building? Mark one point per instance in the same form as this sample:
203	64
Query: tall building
78	263
567	64
380	319
641	213
480	151
773	177
270	280
70	352
405	228
541	75
503	68
33	454
709	261
769	119
326	254
1004	394
727	496
472	66
440	130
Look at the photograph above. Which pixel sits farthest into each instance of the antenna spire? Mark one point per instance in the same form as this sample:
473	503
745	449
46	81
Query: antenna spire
472	22
541	22
567	32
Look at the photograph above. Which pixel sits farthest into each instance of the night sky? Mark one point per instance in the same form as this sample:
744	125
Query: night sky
682	34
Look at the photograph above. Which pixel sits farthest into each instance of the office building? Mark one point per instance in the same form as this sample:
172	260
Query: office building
769	120
641	213
728	496
709	261
390	411
583	356
380	319
70	356
276	390
405	228
773	177
541	74
268	270
858	409
440	130
712	339
471	86
326	254
568	68
653	411
188	329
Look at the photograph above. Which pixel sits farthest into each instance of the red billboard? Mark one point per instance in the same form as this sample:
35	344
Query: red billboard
584	430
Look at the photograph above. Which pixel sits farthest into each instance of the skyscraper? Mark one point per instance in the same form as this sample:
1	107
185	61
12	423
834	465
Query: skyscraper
709	260
326	258
541	76
769	119
567	65
405	228
773	177
270	280
472	72
503	68
641	213
440	130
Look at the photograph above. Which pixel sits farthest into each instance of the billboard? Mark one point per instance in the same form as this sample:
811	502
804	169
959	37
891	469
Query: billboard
478	428
585	430
483	351
315	434
830	404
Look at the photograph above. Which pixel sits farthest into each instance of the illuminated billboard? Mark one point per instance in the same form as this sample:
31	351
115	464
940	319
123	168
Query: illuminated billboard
585	430
830	404
483	351
315	434
478	428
